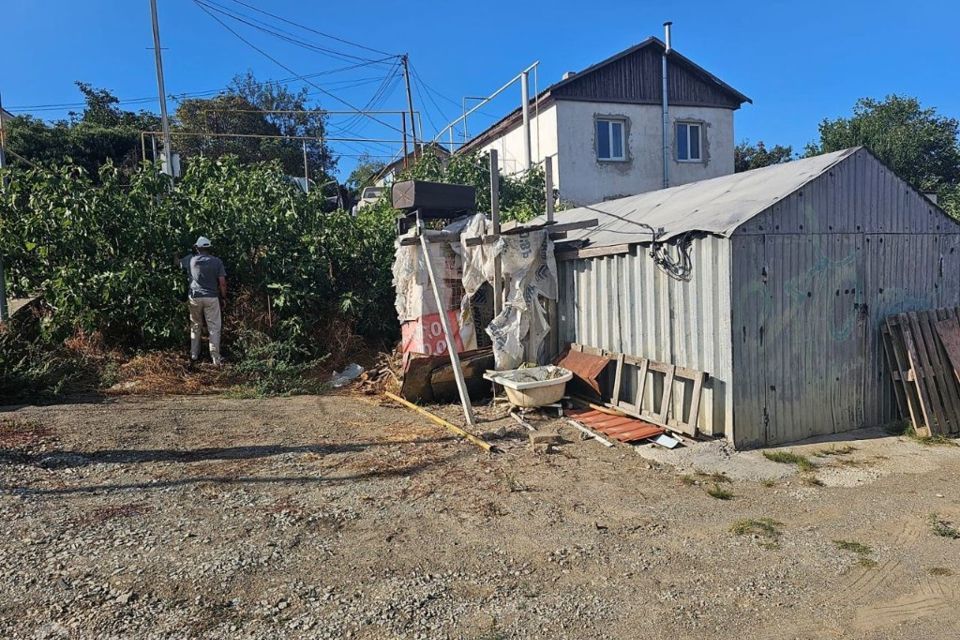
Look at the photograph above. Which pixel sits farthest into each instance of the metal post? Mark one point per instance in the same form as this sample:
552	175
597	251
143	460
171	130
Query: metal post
306	169
3	294
445	323
665	108
413	122
3	164
495	223
548	186
525	98
165	122
406	152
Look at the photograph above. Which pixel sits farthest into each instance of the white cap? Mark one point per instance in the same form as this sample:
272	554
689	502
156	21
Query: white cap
203	242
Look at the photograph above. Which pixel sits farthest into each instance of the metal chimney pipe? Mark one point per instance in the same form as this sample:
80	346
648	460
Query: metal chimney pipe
666	111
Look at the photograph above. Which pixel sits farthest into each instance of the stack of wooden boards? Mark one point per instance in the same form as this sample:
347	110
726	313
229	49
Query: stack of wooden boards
923	354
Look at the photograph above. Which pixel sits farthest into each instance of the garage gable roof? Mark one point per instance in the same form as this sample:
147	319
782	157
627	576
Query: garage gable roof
716	206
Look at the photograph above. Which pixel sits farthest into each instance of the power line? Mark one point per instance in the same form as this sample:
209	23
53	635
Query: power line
276	31
189	94
282	65
312	30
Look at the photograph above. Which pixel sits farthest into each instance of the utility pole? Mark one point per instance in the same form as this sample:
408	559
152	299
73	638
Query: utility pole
164	121
406	79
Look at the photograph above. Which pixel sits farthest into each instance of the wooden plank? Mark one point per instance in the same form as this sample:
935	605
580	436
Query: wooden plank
947	329
895	373
617	380
641	386
932	412
942	376
695	403
591	252
911	391
667	396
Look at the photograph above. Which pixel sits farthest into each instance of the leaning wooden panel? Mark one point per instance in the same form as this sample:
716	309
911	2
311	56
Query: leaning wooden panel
896	375
942	377
932	412
948	330
912	393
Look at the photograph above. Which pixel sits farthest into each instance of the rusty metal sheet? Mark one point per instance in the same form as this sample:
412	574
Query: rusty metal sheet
586	369
618	428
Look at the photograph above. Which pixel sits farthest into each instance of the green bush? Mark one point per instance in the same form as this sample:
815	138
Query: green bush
103	253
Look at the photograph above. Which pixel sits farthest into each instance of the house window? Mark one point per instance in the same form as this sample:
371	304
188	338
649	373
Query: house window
610	143
689	142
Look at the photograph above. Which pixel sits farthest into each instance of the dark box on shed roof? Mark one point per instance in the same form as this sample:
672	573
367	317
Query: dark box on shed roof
434	199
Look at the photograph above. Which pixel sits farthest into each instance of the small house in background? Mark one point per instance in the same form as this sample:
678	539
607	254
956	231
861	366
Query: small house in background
604	127
775	282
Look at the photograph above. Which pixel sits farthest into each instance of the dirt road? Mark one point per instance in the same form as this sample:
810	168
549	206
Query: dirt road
333	517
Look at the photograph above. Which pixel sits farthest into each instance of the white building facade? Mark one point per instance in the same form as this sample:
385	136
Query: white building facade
603	127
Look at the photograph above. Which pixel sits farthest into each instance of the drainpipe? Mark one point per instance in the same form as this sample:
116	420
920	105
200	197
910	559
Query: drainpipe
666	113
525	98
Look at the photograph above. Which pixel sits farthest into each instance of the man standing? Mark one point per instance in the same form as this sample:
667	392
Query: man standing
206	294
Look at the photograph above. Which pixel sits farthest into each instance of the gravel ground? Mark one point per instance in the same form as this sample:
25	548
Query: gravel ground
335	517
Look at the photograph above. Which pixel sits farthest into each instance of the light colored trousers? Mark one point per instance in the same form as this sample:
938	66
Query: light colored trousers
209	309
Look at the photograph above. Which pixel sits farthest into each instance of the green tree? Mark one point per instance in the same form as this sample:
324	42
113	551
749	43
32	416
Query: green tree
363	174
920	145
748	156
249	106
101	133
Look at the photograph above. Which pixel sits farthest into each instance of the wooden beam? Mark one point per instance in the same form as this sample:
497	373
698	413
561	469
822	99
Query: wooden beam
553	228
486	446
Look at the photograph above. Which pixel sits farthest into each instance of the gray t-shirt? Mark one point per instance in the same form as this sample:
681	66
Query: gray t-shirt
203	272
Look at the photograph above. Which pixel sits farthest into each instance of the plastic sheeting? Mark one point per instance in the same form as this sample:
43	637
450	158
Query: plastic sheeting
529	272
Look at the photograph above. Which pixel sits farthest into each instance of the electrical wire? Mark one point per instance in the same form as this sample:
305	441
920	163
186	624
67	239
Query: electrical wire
283	66
312	30
277	32
186	94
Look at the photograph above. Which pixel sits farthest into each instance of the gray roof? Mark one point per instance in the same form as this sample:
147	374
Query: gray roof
717	206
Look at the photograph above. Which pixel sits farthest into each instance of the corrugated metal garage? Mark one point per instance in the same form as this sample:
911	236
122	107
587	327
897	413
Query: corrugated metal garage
794	267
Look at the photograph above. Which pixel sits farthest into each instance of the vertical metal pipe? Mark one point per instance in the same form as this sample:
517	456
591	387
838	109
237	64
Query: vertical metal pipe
666	110
495	223
164	121
406	152
306	169
525	98
447	332
548	186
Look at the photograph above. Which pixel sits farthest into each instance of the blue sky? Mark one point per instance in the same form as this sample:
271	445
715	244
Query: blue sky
799	61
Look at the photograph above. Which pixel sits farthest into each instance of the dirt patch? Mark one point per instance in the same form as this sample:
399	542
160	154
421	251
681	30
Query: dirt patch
334	517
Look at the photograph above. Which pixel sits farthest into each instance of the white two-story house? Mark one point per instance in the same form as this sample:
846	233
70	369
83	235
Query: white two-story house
604	127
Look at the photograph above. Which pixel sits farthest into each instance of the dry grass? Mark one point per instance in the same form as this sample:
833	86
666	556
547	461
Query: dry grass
940	571
835	451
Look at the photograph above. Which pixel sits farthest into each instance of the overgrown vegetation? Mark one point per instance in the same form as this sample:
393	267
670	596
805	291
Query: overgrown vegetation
101	251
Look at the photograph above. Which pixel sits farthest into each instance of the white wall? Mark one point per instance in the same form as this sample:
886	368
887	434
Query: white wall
582	179
510	146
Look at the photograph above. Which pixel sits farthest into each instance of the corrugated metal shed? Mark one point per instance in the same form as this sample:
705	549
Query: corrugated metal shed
795	269
719	205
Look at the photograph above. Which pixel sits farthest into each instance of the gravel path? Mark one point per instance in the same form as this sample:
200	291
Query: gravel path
334	517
